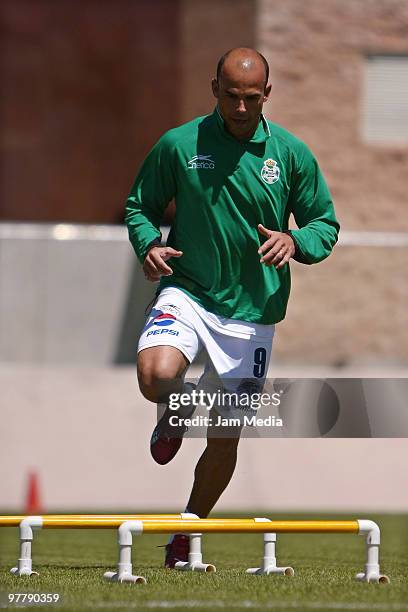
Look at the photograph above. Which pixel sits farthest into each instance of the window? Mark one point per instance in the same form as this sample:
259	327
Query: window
385	100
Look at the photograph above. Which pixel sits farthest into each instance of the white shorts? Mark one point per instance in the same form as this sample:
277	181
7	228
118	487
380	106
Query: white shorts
236	349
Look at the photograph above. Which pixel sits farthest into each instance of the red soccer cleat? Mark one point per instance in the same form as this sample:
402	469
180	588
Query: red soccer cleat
166	440
177	550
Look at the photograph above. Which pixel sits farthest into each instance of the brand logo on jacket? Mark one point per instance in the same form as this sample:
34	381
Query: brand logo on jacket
270	171
201	162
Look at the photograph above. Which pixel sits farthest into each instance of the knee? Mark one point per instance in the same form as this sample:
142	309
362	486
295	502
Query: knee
156	379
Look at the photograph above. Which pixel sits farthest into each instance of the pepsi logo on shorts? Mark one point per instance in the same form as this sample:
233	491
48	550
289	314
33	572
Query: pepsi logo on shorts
164	319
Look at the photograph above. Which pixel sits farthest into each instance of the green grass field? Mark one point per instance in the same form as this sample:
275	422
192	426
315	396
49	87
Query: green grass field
72	564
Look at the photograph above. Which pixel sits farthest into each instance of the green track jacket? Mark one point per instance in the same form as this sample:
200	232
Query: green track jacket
223	188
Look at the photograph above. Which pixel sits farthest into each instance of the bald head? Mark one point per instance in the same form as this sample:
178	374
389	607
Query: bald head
243	59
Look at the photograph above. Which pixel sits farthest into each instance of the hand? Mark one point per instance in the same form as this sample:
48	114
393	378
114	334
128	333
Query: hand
154	265
277	249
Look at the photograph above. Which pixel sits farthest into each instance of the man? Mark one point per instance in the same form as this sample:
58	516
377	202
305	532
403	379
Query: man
224	274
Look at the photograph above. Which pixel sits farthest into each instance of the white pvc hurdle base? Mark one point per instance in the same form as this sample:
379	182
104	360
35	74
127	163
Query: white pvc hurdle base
27	524
115	577
25	564
372	567
269	560
125	540
125	569
195	558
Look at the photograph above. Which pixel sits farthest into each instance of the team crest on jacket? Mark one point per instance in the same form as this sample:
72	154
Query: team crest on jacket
270	171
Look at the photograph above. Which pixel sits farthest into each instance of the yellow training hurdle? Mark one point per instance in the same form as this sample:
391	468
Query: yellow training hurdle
83	520
129	525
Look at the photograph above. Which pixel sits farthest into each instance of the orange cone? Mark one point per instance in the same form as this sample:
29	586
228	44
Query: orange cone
33	504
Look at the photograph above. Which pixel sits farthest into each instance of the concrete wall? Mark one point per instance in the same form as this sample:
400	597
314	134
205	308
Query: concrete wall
348	310
86	433
71	300
81	298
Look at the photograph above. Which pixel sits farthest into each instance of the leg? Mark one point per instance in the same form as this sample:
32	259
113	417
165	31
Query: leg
161	372
249	363
167	345
212	475
215	467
